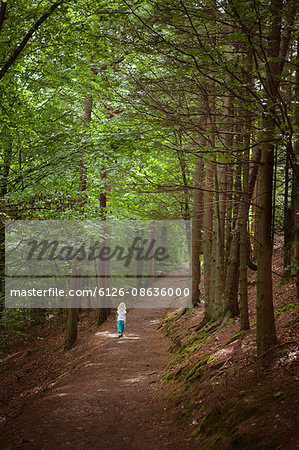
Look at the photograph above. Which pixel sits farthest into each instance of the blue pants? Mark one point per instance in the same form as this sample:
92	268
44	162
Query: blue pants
120	326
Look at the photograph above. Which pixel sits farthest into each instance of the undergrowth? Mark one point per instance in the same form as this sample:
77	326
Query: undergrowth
185	346
225	424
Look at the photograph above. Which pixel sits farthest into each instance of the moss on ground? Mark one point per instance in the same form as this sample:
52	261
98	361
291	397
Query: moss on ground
184	347
219	428
195	373
236	336
187	411
292	307
237	423
226	417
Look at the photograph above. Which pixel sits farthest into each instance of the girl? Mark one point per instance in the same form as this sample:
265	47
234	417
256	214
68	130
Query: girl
121	318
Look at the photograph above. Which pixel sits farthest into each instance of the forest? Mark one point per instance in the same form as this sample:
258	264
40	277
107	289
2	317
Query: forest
149	112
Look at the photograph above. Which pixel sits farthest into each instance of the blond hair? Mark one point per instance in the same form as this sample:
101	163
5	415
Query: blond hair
121	306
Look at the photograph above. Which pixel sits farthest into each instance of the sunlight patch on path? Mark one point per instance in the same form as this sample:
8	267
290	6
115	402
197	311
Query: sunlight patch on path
129	337
134	380
105	333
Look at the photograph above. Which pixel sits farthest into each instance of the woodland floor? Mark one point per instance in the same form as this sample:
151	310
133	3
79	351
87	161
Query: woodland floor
110	397
109	393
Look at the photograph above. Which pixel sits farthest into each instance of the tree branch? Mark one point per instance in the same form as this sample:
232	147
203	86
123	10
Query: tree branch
27	37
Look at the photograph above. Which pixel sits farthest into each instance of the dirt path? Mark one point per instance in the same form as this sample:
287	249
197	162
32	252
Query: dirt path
114	399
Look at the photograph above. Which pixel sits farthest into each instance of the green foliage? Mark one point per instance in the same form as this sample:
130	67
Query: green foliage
150	70
292	307
15	325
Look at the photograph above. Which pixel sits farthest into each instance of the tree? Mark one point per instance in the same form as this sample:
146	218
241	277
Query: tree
276	52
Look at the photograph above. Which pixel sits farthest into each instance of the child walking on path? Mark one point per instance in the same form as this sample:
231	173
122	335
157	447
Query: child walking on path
121	318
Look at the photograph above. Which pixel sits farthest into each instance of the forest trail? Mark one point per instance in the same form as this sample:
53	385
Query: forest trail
114	399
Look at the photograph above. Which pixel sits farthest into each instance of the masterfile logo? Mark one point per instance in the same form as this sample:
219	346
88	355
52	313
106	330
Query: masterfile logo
93	263
140	250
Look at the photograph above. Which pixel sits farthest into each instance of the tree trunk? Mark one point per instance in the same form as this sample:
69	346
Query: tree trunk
266	335
140	262
72	318
244	207
231	280
86	121
102	316
296	181
3	191
6	167
2	267
208	235
71	328
219	251
103	283
72	315
185	204
105	280
228	218
151	262
287	219
197	219
230	295
224	182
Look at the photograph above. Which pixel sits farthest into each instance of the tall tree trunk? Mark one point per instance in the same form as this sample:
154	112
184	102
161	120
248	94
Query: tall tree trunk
197	219
231	288
266	335
72	318
228	217
287	219
244	206
2	267
6	168
219	251
244	319
296	180
230	294
86	121
216	269
212	306
72	315
103	283
3	191
104	311
208	235
224	182
103	195
185	203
